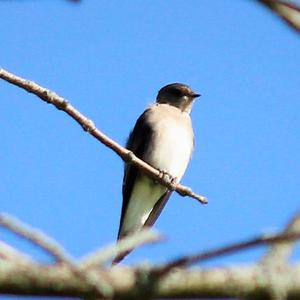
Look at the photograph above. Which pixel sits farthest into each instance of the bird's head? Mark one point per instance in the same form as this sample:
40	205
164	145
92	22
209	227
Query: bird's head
178	95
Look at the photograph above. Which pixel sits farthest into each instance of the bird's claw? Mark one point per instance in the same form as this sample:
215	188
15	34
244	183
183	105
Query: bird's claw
163	174
174	182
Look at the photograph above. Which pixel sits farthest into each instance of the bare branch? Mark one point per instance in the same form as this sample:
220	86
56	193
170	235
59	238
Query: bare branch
56	251
138	239
280	252
7	252
233	248
235	282
287	10
86	280
89	126
36	237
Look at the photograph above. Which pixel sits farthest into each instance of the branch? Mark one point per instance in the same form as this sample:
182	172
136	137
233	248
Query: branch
99	257
286	10
280	252
87	280
235	282
89	126
55	250
36	237
9	253
184	261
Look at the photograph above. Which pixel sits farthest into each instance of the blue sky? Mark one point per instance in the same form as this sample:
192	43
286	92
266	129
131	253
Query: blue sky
109	59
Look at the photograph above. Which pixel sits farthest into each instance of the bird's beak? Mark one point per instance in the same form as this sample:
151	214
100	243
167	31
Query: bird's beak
195	95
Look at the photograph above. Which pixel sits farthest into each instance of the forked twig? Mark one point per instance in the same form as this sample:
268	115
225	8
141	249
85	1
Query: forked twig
7	252
97	258
279	252
37	237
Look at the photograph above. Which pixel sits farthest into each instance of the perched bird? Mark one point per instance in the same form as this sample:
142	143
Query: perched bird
163	137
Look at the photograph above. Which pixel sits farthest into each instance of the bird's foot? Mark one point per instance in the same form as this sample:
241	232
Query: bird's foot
163	174
174	182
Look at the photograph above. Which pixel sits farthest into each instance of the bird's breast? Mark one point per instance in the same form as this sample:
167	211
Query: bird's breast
172	146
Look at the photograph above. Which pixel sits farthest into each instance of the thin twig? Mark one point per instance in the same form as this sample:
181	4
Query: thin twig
280	252
97	258
36	237
49	245
7	252
59	254
229	249
286	10
89	126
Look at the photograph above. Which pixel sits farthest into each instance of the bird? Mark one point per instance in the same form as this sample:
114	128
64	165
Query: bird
163	137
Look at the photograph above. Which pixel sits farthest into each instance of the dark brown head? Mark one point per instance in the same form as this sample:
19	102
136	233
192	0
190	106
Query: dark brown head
178	95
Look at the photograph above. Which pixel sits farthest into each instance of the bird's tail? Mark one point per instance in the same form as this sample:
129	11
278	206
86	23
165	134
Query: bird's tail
157	209
120	257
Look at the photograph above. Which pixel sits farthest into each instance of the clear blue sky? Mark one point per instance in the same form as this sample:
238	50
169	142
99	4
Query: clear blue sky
109	59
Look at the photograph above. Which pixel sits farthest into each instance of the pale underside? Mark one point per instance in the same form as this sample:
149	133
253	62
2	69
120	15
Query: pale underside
170	150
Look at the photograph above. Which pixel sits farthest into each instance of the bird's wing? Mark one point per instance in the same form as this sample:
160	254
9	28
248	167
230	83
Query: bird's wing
138	141
157	209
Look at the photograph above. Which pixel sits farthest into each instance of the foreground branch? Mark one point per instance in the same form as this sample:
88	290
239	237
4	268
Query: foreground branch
7	252
99	257
54	249
278	240
37	237
130	283
86	279
89	126
280	252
